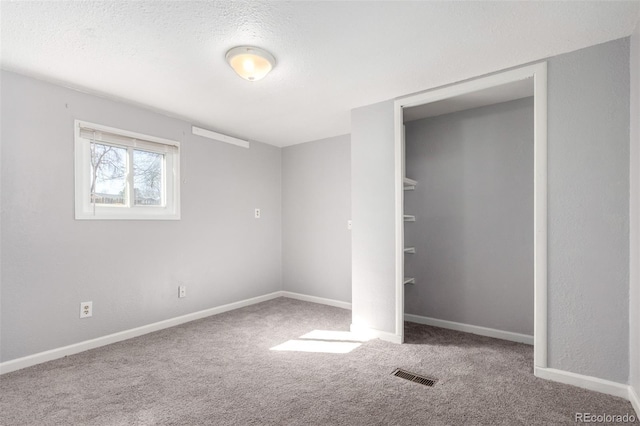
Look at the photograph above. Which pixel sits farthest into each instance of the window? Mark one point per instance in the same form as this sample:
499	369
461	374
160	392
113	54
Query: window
125	175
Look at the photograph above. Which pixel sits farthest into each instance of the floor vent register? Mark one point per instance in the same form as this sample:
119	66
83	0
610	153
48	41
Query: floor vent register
412	377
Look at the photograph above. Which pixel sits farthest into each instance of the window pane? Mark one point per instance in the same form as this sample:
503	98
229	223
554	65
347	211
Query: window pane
147	178
108	174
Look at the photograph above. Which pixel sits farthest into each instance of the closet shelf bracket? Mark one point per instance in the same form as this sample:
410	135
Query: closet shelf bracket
409	184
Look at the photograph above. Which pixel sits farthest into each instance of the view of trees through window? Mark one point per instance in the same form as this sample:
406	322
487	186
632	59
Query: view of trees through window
108	174
147	177
109	168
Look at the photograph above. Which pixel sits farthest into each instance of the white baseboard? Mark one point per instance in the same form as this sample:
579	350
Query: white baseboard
375	334
315	299
635	401
468	328
585	382
30	360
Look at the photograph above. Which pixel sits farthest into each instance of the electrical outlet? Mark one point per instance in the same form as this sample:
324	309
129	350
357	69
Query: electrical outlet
182	291
257	214
86	309
349	225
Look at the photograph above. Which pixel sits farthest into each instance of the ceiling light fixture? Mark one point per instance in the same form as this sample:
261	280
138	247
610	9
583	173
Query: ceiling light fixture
250	63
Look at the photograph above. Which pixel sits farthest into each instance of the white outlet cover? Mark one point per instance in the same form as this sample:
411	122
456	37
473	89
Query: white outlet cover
182	291
257	213
86	309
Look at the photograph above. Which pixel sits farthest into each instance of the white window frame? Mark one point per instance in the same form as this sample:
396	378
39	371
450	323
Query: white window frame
85	209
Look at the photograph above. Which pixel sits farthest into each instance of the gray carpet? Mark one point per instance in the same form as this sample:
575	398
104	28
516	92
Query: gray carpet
220	371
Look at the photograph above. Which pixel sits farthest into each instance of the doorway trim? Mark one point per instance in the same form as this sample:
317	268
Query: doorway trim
539	73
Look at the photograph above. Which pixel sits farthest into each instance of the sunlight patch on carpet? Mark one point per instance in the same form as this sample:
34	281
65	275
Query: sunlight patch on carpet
323	341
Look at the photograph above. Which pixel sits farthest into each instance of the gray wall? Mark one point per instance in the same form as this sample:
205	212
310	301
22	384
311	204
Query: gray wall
316	204
634	261
588	211
373	213
474	209
1	220
129	269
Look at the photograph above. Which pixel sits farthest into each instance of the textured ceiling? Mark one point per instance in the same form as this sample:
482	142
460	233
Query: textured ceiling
332	56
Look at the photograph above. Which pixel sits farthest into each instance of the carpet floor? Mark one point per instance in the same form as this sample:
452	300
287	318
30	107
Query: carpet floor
225	370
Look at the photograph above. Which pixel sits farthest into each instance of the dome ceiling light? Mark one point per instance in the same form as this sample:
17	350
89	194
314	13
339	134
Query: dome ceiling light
250	63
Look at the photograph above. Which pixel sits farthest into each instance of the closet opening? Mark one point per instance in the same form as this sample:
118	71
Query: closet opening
471	208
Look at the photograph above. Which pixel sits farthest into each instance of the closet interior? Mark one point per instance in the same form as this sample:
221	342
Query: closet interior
468	211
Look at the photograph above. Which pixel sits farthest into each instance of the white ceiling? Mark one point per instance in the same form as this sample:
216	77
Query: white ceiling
332	56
